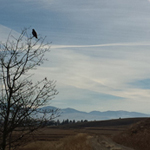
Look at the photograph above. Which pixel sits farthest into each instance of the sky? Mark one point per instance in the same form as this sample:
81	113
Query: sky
100	50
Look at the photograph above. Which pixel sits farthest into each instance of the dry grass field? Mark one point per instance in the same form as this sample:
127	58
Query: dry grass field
136	136
101	135
76	142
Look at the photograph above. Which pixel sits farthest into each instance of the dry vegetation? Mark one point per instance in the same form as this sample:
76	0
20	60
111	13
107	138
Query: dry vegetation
128	132
137	136
76	142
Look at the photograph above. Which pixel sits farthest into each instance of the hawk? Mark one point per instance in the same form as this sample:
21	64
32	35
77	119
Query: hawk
34	33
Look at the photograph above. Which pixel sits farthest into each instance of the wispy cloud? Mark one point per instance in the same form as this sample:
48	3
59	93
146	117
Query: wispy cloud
101	45
109	73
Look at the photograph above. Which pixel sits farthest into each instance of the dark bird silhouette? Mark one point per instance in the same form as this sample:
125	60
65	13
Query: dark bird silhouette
34	33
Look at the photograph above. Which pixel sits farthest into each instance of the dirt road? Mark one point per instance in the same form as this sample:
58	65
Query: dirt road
103	143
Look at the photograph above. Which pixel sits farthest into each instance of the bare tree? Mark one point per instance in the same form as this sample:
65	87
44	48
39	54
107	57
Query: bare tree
20	97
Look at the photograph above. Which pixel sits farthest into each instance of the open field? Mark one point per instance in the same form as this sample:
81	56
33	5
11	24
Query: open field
81	136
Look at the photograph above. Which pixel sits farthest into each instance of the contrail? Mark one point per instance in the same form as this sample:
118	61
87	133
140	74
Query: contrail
101	45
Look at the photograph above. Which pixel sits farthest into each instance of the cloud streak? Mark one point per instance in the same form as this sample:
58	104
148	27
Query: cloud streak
111	74
101	45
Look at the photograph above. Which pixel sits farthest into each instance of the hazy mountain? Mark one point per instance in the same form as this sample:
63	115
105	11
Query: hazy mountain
71	110
73	114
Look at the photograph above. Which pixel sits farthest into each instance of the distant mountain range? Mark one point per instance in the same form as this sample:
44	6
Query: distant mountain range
73	114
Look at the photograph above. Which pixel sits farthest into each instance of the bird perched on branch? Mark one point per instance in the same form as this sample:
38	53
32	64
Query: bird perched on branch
34	33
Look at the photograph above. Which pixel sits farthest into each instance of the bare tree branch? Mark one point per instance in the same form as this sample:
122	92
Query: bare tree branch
20	98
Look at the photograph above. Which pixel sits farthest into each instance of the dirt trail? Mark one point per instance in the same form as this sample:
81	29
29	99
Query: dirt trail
103	143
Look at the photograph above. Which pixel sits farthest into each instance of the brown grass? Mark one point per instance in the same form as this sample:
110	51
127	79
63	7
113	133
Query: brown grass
77	142
77	138
39	145
137	136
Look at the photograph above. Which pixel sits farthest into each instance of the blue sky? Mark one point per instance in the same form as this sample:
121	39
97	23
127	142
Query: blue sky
100	51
